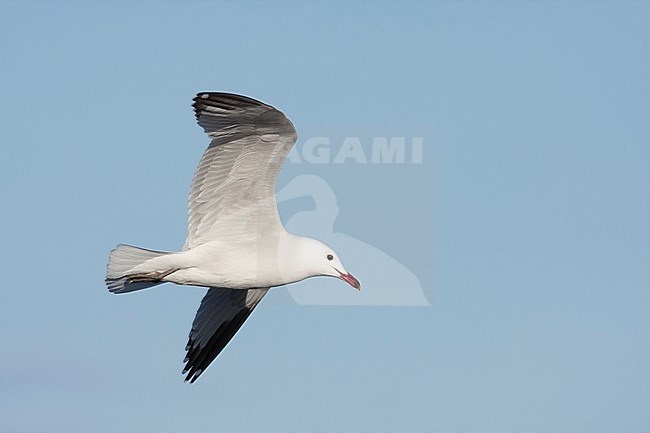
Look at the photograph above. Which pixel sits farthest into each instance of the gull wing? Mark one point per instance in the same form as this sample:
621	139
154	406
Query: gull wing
233	190
221	314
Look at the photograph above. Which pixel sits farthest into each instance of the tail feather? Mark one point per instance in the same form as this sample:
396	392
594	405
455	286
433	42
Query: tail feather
122	275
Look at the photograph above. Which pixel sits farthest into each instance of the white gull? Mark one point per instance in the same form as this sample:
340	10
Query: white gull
236	244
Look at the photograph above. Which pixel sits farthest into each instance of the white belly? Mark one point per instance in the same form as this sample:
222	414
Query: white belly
237	265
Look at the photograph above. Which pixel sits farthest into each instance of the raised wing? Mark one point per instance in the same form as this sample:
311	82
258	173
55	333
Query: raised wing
233	190
221	314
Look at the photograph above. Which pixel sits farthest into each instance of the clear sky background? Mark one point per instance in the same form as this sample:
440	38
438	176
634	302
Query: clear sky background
527	223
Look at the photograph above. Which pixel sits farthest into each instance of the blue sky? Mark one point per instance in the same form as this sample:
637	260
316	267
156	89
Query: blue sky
526	224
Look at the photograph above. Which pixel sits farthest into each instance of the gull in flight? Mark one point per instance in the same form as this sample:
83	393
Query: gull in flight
236	244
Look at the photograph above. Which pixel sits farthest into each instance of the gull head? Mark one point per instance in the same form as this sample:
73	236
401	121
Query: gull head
321	260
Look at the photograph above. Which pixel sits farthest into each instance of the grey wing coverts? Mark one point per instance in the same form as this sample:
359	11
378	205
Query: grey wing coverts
234	184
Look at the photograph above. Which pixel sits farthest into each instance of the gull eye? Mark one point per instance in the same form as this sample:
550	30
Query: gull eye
330	257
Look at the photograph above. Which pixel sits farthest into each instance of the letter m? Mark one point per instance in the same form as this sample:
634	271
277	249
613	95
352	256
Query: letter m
387	152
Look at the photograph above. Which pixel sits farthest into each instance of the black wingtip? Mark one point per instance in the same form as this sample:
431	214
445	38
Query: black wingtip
192	376
225	97
201	353
224	101
196	375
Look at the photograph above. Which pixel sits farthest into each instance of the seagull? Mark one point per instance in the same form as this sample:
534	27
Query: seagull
236	244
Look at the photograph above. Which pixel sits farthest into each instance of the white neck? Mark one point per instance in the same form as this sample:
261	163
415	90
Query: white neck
294	253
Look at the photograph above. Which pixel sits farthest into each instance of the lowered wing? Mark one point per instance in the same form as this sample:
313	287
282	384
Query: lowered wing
221	314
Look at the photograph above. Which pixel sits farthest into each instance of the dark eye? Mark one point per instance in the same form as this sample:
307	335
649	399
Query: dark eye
330	257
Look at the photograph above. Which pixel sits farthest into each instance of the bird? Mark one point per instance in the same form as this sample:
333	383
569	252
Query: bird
236	245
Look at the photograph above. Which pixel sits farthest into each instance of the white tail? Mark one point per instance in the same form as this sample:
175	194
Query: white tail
121	275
